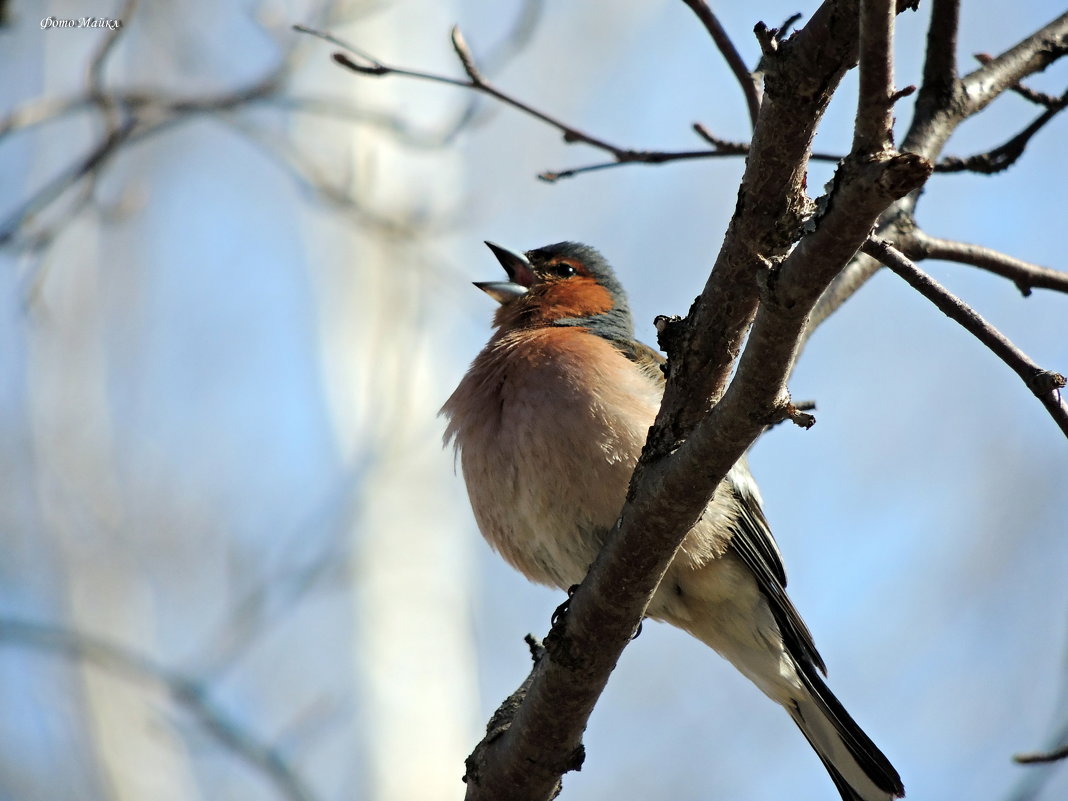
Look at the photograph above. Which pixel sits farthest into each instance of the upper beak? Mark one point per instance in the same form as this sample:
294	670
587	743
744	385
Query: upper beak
520	275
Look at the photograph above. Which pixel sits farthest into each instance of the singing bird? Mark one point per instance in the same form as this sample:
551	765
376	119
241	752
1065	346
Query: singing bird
549	422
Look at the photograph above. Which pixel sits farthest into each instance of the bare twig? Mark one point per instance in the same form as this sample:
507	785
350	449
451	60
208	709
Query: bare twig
1004	156
476	81
750	84
726	147
142	115
919	245
187	692
643	157
95	73
1044	384
1040	757
98	155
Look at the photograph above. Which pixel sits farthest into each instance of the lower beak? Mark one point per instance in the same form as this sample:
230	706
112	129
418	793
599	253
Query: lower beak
501	291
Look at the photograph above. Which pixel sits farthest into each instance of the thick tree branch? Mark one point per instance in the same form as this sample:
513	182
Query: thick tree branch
875	118
1044	384
800	75
750	84
919	245
940	61
1032	55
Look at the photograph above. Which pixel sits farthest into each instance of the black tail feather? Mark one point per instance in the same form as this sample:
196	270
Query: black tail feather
867	755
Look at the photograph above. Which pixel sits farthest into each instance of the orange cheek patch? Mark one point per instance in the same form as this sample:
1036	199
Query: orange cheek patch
577	297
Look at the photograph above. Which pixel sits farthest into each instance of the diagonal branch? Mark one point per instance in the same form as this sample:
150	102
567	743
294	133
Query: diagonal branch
1044	384
750	84
1032	55
919	245
1026	92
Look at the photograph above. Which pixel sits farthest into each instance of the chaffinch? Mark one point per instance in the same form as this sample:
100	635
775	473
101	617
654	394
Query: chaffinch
549	422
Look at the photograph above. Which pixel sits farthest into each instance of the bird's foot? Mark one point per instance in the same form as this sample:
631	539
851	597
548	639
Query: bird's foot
561	610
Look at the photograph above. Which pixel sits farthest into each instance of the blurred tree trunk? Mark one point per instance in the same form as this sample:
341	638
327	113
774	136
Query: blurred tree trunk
100	588
381	353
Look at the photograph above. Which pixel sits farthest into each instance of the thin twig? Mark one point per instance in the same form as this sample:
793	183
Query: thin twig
919	245
95	74
186	691
1040	757
1044	384
476	81
87	165
1004	156
749	83
646	157
726	147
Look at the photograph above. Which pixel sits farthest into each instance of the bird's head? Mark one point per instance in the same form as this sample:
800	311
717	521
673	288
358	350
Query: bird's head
566	284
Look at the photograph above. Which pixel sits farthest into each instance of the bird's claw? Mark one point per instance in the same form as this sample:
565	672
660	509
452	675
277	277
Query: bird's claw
561	610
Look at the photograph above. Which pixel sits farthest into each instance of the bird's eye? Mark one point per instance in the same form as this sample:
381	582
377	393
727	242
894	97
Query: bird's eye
562	270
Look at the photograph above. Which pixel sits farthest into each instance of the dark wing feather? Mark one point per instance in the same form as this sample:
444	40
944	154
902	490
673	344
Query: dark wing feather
752	539
648	360
753	542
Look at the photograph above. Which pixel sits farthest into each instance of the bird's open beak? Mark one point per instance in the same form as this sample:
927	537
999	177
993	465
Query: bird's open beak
520	275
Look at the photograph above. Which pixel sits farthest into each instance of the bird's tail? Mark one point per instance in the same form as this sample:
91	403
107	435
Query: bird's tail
860	771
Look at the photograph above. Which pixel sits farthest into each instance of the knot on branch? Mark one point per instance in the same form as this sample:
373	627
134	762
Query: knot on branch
902	173
1044	382
669	334
558	646
787	410
363	69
